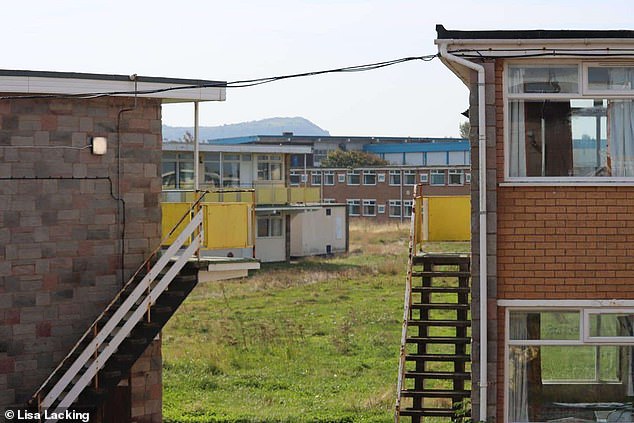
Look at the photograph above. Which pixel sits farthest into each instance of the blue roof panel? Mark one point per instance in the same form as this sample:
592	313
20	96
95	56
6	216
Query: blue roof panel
418	147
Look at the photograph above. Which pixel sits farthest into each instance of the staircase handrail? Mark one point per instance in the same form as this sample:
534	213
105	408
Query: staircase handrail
150	276
407	307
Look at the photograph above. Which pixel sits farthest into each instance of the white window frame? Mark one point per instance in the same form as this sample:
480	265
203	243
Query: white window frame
467	177
354	202
380	177
438	172
352	173
424	178
270	226
329	201
584	307
369	173
395	173
455	172
583	93
407	204
341	178
380	209
328	173
408	173
294	174
313	176
369	203
395	203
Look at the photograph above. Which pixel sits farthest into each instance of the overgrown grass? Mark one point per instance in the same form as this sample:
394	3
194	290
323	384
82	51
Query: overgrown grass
316	340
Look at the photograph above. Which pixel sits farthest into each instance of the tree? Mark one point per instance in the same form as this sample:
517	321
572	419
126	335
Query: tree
465	128
351	159
188	138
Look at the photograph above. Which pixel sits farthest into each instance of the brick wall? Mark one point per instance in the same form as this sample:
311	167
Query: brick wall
59	238
383	192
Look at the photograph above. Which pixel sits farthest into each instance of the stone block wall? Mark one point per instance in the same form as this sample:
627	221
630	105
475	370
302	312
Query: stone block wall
61	223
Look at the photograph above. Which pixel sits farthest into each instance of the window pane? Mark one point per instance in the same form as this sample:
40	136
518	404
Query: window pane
185	175
612	324
263	171
169	175
557	383
545	79
551	325
276	226
276	171
212	174
618	78
582	138
437	178
263	227
231	174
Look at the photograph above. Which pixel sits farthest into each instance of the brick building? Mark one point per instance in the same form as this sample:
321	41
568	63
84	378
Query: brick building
384	193
553	300
79	212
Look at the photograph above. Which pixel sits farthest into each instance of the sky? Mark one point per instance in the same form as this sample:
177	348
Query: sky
243	39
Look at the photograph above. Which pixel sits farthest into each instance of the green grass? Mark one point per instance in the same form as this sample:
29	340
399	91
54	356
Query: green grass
315	340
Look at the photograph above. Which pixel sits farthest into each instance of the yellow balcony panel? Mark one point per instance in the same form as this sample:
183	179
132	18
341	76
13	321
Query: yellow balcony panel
227	225
304	195
172	212
447	218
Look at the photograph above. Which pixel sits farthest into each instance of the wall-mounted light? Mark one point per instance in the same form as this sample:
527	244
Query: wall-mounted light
99	146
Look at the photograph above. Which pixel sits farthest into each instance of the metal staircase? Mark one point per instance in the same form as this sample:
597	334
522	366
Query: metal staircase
121	333
434	369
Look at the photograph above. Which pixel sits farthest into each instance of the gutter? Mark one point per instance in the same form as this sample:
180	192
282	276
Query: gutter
482	192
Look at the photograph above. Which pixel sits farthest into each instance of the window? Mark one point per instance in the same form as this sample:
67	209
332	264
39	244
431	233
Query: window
566	122
436	158
394	208
369	177
231	170
407	208
558	361
369	207
381	209
467	177
341	178
456	177
354	178
381	177
395	177
295	177
212	169
409	177
437	177
270	167
269	227
354	207
329	201
315	178
424	178
178	171
329	177
318	156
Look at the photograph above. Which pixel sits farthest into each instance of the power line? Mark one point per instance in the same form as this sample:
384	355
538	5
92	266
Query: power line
233	84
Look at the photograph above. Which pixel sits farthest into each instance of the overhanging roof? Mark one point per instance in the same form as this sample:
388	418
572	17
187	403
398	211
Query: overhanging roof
26	82
536	34
240	148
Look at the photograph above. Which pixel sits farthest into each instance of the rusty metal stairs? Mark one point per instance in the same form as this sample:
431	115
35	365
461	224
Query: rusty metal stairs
435	363
109	348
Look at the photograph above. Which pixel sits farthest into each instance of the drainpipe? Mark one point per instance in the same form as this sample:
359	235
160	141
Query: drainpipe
482	191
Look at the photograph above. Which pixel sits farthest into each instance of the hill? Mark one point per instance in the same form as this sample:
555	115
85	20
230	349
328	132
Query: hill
271	126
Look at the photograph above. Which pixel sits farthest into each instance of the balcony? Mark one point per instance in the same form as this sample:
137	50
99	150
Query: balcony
228	217
278	195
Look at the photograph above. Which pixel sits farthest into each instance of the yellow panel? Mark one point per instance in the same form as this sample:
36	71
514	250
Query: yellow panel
449	218
172	212
227	225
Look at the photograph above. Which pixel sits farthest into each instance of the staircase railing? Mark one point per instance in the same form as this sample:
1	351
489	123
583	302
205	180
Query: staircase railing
415	239
135	306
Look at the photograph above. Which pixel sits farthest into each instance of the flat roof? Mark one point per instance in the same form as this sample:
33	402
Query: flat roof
239	148
535	34
33	83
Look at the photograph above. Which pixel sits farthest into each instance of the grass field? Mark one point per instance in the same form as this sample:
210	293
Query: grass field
314	340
